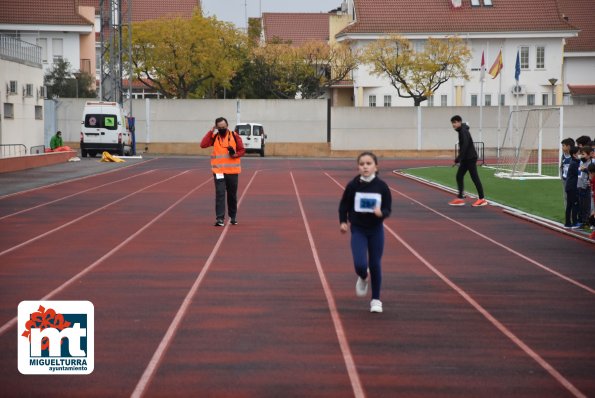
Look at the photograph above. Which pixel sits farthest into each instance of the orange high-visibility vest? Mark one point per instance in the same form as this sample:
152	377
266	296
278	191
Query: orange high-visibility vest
221	161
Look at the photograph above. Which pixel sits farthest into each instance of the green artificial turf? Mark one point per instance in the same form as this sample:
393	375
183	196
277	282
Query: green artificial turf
540	197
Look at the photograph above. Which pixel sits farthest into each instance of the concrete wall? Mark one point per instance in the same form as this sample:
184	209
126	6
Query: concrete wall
300	127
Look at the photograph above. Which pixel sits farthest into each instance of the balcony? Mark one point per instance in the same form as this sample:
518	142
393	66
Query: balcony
19	51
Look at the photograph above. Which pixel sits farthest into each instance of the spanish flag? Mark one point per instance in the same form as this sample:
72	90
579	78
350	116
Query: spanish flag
497	66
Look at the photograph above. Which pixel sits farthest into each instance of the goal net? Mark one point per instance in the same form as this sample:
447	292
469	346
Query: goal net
530	148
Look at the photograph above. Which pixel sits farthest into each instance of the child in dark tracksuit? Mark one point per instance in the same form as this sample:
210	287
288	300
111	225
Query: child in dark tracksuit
572	206
366	202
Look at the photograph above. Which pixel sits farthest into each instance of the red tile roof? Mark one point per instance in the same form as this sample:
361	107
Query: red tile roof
439	16
41	12
581	90
580	13
143	10
296	27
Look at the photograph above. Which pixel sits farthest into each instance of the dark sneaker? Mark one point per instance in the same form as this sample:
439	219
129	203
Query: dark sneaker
218	223
234	221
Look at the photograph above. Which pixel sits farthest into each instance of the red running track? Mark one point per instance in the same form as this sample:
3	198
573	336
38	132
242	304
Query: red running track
477	303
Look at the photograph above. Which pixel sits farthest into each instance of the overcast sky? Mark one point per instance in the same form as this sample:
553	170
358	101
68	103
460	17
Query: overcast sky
234	10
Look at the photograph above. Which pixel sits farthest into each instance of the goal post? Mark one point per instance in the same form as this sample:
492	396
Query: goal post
530	148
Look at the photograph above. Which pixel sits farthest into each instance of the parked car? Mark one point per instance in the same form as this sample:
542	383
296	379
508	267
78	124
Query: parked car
105	128
253	137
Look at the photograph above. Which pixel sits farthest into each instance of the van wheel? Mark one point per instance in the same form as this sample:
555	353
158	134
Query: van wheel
92	154
262	153
121	151
83	153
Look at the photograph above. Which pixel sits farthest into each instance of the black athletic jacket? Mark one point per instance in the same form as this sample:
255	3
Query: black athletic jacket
347	205
466	147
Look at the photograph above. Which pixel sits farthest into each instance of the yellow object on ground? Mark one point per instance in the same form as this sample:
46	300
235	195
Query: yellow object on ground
107	157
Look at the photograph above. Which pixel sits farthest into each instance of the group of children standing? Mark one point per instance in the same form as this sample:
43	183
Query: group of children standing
577	171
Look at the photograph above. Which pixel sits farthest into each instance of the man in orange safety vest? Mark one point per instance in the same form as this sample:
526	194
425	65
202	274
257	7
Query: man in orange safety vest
225	165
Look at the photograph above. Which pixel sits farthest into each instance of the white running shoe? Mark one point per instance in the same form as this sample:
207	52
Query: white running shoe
361	287
375	306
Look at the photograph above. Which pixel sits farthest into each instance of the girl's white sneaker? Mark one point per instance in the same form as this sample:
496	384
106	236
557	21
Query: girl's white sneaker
361	287
375	306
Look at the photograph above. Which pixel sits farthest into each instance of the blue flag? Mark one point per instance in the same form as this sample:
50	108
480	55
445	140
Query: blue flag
517	68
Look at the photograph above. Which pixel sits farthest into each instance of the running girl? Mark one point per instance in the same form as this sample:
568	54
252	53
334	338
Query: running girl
366	202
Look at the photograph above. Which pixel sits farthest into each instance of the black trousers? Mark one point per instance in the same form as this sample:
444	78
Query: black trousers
572	208
471	167
228	184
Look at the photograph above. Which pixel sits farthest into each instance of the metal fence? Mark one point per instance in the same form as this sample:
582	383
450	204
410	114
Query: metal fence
19	50
12	150
36	150
479	148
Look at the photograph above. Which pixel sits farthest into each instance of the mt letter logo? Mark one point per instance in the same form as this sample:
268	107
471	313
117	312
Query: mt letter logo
56	337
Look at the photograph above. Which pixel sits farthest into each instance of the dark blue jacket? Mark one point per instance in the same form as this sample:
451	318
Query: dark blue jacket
347	205
572	177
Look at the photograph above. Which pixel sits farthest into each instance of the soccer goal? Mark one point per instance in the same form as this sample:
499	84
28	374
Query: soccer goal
530	148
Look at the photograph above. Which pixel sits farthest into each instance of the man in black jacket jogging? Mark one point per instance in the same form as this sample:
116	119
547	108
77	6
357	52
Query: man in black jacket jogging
467	160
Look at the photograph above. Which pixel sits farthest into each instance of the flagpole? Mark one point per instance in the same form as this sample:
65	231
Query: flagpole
499	114
481	79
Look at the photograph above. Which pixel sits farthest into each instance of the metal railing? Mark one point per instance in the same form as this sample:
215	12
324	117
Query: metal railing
12	150
19	50
479	148
36	150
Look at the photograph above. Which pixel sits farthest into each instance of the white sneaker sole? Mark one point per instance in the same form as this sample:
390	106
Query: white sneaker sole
376	310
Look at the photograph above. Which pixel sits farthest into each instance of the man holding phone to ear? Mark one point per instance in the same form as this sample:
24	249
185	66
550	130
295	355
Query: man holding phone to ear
225	165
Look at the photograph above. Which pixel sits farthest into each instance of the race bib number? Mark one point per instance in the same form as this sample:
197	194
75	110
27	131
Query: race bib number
219	176
367	202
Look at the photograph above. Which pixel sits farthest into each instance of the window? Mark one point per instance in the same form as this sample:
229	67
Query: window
8	110
487	3
431	101
530	99
488	100
524	57
387	101
444	100
29	90
13	87
38	112
109	122
57	49
540	58
545	99
372	100
43	43
243	129
502	99
473	99
475	3
419	45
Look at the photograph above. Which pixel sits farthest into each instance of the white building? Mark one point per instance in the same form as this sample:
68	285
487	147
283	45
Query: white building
21	96
62	28
533	28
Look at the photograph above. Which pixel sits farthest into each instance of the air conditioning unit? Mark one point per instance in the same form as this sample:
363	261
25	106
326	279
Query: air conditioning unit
518	90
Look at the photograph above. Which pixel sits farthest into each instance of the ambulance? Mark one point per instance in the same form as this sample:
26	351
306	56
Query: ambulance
253	137
104	127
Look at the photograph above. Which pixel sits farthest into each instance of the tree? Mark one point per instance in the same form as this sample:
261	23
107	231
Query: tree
61	81
186	58
418	74
325	65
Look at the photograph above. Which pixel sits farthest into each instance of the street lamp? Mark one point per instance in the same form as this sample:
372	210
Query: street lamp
553	81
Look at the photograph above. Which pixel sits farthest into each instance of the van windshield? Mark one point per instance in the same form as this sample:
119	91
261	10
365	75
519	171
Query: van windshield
243	129
109	122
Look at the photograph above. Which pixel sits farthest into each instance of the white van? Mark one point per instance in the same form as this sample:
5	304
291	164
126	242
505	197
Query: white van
105	128
253	137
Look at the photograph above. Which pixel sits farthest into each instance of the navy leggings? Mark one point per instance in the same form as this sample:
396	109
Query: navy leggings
367	245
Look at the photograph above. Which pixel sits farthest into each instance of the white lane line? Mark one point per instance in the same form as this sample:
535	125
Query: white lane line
76	179
503	246
74	194
153	365
63	286
486	314
13	248
356	384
